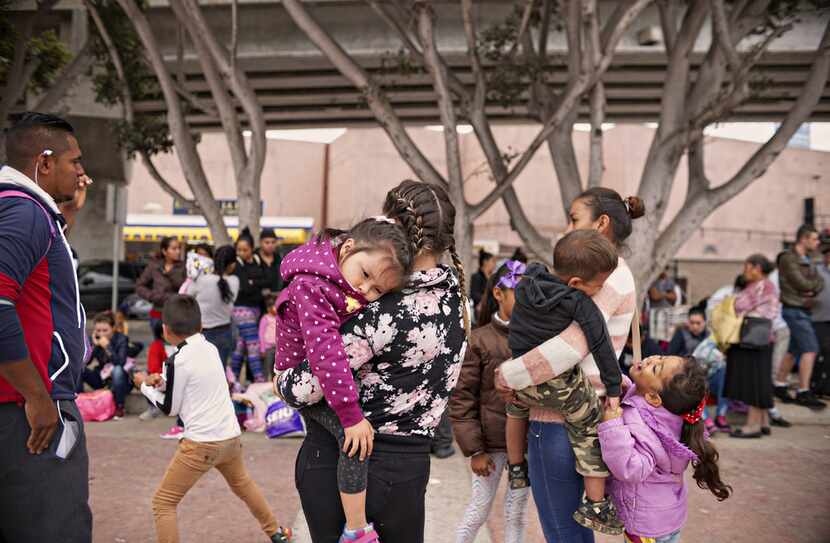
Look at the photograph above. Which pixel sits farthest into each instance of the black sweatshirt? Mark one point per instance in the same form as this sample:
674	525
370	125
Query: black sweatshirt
546	306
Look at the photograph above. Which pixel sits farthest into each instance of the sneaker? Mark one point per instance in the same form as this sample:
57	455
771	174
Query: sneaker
151	413
364	535
782	393
119	413
722	425
599	516
176	432
517	476
780	421
709	424
283	535
807	399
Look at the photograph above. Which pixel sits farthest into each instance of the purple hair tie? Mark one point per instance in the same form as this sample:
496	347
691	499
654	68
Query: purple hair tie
515	270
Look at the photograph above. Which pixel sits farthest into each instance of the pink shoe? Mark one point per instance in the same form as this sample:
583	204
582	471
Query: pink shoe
366	535
722	425
176	432
710	425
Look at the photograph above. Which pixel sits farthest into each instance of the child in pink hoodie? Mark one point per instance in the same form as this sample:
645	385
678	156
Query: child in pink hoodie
649	441
329	281
268	334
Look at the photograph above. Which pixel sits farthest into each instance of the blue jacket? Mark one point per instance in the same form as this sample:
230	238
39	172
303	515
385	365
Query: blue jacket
41	316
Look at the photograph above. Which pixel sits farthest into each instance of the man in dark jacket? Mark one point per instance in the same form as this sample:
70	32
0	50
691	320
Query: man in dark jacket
44	485
269	256
799	285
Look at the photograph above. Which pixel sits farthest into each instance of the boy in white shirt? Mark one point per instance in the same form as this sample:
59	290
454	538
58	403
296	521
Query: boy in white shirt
195	389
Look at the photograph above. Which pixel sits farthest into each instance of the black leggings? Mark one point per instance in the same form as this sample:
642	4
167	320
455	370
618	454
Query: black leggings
351	472
395	495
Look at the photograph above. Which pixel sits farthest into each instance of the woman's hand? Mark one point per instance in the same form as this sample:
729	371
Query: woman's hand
482	465
102	341
359	438
612	412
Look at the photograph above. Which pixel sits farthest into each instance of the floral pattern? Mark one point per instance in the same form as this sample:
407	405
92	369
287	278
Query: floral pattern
406	350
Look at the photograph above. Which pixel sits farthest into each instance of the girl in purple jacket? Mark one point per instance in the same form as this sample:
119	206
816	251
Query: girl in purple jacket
649	441
329	280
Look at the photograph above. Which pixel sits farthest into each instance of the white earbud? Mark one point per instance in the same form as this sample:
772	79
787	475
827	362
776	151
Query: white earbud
45	152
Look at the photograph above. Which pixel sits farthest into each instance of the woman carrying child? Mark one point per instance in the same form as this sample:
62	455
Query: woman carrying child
410	344
557	486
477	412
649	442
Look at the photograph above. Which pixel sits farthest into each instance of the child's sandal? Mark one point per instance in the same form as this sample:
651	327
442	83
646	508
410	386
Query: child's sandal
283	535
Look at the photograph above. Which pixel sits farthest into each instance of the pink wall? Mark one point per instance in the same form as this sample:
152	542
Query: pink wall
364	165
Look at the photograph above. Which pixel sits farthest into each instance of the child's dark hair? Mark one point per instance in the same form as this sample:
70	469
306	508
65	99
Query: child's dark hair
206	247
483	257
489	305
106	317
762	262
224	257
181	315
428	217
699	311
604	201
379	234
584	254
269	300
681	395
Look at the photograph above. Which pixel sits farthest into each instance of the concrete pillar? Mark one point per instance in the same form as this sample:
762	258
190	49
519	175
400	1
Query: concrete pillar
91	237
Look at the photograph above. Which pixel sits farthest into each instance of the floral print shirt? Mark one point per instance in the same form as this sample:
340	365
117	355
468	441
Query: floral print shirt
406	350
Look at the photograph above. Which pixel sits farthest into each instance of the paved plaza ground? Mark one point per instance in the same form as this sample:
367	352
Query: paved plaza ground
781	488
780	484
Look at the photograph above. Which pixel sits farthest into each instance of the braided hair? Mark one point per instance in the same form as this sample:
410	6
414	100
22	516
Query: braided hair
427	216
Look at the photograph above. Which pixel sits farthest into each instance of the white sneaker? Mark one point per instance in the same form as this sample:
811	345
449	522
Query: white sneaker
151	413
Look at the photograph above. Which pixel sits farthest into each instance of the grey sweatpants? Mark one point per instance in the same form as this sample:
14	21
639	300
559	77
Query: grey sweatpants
42	497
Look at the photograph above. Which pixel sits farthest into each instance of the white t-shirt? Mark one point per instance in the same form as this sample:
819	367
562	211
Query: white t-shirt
215	312
197	391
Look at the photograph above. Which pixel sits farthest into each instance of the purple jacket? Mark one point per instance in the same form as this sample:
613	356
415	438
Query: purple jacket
643	452
310	310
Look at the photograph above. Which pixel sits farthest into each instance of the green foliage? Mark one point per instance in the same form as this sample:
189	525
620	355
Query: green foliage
512	70
147	133
48	53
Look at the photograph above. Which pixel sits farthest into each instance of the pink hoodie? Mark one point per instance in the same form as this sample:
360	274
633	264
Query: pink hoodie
310	310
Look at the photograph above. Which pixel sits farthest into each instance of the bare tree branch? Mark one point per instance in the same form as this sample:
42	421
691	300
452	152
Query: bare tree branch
523	26
573	93
480	94
544	28
126	97
720	28
698	182
185	146
218	90
200	104
596	165
445	105
180	76
668	23
67	79
375	97
234	32
164	184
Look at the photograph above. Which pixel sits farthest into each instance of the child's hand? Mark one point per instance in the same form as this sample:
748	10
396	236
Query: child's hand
153	380
138	378
359	438
482	465
612	402
505	393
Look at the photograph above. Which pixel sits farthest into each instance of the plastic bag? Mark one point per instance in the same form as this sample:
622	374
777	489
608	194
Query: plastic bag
283	421
96	406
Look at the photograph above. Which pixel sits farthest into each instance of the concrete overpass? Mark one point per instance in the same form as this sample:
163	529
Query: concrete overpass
298	87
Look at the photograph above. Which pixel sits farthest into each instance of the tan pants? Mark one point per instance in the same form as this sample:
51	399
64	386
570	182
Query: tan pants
191	461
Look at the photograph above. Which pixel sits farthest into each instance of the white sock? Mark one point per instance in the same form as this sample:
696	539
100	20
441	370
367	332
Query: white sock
778	383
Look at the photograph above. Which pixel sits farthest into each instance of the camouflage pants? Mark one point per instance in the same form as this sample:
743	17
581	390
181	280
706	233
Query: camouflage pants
572	395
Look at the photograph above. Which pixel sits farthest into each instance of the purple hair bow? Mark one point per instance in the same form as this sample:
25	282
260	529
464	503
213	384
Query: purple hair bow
515	270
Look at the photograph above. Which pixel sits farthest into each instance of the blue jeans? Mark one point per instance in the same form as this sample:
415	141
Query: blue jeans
121	383
716	383
557	487
222	338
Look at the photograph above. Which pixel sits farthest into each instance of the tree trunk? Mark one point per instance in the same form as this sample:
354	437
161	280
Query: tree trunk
183	139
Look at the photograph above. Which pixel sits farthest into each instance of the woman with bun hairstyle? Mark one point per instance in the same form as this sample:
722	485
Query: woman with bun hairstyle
557	487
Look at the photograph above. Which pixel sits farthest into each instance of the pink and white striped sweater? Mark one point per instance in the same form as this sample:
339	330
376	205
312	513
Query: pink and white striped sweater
616	301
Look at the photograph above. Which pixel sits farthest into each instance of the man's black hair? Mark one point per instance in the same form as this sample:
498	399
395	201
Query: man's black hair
181	315
698	311
805	230
32	133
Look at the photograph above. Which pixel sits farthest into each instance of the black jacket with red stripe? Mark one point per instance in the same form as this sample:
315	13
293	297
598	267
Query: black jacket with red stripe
41	316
